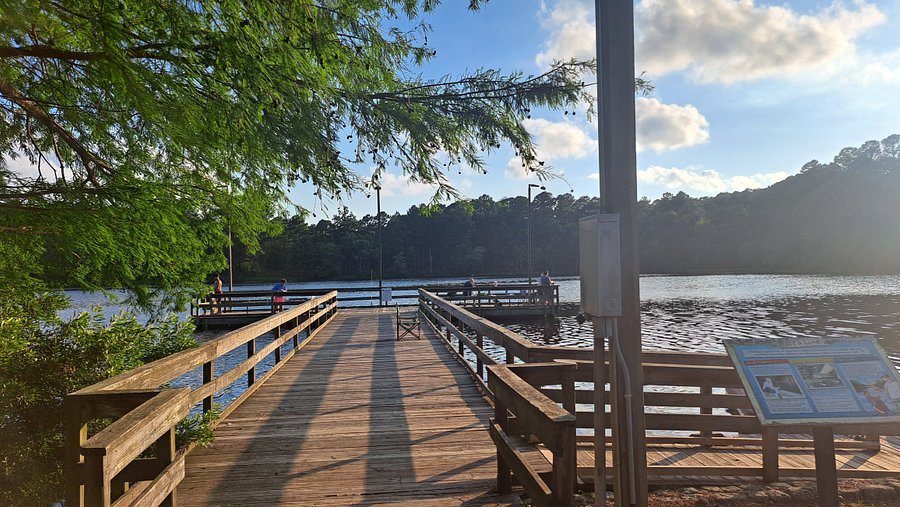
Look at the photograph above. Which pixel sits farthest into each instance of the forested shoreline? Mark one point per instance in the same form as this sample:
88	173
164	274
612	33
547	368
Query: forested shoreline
836	217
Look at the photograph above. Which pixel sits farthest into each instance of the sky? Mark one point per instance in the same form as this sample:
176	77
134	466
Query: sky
746	91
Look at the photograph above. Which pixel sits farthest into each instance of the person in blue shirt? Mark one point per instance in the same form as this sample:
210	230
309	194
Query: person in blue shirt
546	293
277	295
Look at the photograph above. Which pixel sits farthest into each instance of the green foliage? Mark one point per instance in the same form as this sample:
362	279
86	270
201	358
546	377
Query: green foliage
197	428
154	126
478	237
831	218
42	358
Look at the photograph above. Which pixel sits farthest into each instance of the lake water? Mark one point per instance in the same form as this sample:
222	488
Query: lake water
695	312
679	313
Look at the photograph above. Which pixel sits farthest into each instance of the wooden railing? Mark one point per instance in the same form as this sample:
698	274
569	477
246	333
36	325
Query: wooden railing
250	301
481	295
688	395
107	470
523	416
500	296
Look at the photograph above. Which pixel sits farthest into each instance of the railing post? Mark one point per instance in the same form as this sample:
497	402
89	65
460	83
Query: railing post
76	432
510	357
705	389
770	454
165	455
462	344
564	476
479	364
297	334
504	474
251	373
278	349
567	383
207	378
96	485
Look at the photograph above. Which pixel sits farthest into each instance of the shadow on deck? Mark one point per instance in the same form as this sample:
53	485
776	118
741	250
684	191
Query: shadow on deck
355	418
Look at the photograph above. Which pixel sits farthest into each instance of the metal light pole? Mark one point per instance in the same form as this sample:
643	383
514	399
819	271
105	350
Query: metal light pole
380	250
230	264
528	219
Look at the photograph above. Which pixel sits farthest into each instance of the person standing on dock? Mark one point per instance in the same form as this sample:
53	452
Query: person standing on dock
546	293
277	295
217	294
469	284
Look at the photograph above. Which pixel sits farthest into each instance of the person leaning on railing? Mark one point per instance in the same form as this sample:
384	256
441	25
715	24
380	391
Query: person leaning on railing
217	294
544	289
278	291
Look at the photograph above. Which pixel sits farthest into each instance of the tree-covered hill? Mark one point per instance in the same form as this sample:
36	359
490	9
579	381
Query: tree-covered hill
839	217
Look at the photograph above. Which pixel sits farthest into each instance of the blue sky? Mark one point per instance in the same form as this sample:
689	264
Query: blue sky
746	92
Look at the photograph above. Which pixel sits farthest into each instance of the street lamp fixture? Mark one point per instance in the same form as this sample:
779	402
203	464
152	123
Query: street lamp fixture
380	248
528	219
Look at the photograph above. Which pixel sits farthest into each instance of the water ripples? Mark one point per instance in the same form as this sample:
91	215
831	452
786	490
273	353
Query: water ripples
700	324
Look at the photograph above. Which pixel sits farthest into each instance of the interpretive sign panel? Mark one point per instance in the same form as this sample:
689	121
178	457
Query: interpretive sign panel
817	380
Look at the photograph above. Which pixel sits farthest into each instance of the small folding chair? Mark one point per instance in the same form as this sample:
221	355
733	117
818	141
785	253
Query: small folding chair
408	324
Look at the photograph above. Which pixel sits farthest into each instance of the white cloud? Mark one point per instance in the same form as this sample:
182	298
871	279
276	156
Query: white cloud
515	170
724	41
662	127
397	185
19	166
707	181
571	27
560	140
718	41
861	70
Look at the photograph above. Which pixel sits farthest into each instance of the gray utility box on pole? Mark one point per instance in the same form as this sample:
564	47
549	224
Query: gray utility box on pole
601	277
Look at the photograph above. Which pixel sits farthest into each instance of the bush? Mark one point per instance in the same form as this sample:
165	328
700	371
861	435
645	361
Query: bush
43	358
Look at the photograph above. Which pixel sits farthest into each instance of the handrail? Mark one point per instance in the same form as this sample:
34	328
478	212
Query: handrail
109	452
535	415
515	294
98	468
516	345
709	373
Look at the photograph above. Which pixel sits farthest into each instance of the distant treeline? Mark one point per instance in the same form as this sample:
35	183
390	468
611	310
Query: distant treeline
839	217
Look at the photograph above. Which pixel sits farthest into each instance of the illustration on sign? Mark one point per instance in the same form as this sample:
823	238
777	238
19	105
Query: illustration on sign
817	380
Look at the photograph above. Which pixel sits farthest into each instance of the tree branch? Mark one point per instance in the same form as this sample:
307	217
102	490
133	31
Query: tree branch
44	51
33	110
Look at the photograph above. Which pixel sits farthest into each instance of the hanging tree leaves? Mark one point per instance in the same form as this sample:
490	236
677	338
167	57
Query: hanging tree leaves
152	125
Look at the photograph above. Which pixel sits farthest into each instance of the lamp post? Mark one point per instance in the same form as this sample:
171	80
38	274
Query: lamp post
380	249
528	219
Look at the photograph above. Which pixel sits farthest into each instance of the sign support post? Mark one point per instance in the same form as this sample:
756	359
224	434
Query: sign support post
826	469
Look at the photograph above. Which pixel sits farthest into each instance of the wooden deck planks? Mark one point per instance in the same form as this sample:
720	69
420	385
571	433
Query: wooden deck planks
355	418
888	459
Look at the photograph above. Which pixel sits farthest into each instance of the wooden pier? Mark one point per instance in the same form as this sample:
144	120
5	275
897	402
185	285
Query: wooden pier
347	415
357	418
